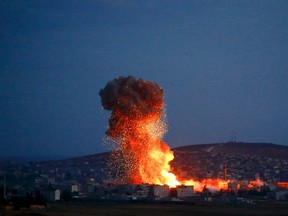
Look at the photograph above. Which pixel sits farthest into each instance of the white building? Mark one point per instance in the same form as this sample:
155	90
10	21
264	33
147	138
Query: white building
185	191
52	195
57	194
142	191
160	191
75	188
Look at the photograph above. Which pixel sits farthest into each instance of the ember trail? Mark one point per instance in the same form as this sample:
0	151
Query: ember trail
137	126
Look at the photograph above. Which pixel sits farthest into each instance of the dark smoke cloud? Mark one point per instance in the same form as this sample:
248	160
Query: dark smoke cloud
134	98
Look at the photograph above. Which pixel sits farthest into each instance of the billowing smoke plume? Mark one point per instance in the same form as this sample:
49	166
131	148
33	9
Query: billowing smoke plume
130	99
137	127
136	124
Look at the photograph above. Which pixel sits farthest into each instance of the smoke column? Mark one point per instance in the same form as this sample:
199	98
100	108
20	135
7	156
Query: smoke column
137	126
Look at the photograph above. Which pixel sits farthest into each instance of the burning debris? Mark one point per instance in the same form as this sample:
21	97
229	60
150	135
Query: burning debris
137	126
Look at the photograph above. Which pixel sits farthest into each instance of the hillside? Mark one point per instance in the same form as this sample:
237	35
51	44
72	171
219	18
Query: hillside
262	149
243	161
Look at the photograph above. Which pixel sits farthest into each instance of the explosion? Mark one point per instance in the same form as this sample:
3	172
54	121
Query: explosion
137	125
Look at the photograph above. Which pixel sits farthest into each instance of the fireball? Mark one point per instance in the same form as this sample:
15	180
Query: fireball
137	125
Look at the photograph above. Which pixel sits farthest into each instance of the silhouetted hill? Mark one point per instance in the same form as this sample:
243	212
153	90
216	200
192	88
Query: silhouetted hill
262	149
243	161
33	158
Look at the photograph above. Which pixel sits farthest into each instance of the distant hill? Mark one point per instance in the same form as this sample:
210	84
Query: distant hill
262	149
243	161
33	158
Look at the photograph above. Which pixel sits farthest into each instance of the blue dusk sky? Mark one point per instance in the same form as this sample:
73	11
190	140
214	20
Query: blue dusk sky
223	66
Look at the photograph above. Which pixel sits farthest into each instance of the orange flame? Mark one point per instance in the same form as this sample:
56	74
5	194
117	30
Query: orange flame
155	155
210	184
152	153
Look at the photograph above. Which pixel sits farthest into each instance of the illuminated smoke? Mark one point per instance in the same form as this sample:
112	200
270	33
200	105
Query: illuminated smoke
137	125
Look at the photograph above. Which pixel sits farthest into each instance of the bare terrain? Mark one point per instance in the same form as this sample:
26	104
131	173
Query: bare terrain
142	209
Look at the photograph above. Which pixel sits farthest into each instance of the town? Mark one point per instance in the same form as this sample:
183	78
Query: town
250	177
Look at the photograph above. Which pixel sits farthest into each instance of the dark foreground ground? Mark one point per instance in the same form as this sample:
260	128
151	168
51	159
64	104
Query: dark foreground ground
144	209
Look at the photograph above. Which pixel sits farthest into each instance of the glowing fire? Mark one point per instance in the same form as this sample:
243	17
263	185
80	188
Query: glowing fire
155	168
138	125
211	184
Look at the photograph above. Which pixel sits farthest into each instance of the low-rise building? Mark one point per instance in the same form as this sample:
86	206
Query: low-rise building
160	191
185	191
52	194
75	188
279	195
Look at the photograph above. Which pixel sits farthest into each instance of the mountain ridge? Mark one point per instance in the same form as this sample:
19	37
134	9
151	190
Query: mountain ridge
227	147
243	161
264	149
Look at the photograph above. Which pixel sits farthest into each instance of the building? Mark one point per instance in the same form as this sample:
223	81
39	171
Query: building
185	191
160	191
52	195
279	195
142	191
75	188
